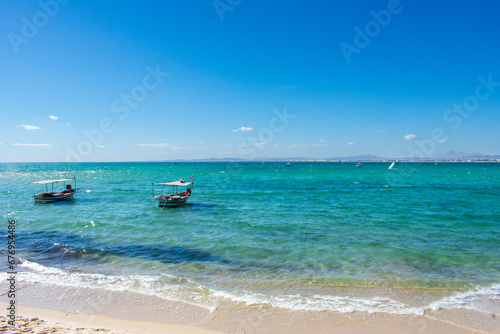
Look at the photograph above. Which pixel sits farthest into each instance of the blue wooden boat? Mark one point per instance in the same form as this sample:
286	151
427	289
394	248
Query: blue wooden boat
174	198
55	196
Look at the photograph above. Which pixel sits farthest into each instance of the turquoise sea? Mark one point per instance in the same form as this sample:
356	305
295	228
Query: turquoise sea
313	236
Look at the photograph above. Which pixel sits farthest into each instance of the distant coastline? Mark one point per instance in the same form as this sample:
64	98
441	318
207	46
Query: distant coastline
450	156
284	160
328	160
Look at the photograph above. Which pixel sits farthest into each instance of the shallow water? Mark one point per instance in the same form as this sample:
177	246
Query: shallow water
314	236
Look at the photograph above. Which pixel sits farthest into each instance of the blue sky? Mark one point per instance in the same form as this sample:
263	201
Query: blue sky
160	80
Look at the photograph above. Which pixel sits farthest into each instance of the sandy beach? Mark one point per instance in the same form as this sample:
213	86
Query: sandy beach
39	320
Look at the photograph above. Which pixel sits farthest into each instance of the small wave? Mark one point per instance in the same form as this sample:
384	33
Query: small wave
163	286
182	289
467	300
10	213
342	304
346	304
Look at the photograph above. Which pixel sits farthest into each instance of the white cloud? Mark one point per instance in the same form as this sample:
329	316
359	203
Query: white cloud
323	143
243	128
53	117
382	131
34	145
443	141
162	145
351	143
261	144
410	137
101	146
298	145
30	127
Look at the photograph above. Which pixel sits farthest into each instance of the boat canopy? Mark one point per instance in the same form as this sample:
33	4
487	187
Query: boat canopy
175	183
51	181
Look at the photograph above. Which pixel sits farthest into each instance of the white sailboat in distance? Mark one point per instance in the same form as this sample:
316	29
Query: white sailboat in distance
392	165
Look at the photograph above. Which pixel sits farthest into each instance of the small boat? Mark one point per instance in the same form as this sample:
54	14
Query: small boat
359	165
55	196
174	198
392	165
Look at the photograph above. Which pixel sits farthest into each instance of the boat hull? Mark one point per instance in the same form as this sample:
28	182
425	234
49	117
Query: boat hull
170	200
44	198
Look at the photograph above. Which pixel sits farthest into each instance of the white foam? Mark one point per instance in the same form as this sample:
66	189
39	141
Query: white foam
164	286
346	304
343	304
467	300
182	289
6	215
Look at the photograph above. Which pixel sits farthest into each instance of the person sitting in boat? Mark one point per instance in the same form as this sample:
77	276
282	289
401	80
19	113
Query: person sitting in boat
185	193
68	189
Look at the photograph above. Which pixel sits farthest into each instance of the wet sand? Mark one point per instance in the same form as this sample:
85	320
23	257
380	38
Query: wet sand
255	320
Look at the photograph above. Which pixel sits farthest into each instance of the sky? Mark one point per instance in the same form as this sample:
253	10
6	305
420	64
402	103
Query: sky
164	80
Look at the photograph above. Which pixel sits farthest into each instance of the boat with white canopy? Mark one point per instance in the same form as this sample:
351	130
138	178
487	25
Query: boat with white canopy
55	196
175	197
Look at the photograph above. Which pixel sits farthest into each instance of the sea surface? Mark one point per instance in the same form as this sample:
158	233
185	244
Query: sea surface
321	236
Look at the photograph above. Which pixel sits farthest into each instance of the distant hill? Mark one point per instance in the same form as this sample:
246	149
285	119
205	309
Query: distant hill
353	158
466	156
360	157
451	155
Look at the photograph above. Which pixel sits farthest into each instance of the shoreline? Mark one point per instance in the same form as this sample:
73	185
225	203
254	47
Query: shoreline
255	320
135	312
48	320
